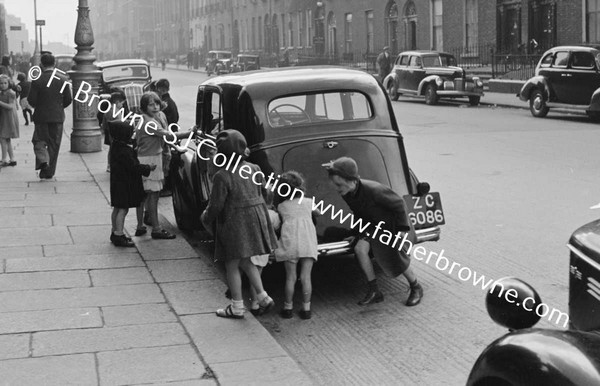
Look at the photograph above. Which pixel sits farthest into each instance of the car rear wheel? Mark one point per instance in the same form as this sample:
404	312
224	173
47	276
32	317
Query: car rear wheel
474	100
391	90
431	96
537	104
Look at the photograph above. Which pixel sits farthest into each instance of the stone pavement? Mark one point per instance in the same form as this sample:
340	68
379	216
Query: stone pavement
75	310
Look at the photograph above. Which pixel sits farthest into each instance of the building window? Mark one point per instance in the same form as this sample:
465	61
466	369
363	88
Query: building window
370	41
301	23
392	27
593	21
348	33
253	33
260	28
436	25
471	25
309	28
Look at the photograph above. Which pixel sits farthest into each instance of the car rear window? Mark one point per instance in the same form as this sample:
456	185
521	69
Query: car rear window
583	60
319	108
119	72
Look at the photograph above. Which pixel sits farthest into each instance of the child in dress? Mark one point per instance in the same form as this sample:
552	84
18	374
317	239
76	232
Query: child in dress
126	187
297	244
9	121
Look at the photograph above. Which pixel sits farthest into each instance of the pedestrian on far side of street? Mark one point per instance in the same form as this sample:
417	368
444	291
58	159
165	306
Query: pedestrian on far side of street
5	68
238	216
25	87
9	121
375	203
49	98
126	186
297	247
150	147
384	62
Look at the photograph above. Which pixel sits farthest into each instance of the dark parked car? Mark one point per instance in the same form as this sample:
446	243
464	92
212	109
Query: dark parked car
64	62
549	357
121	72
218	62
321	114
246	62
432	75
567	76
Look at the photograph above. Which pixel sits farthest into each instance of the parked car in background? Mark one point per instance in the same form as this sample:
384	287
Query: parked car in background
566	76
432	75
549	357
321	114
246	62
121	72
218	62
64	62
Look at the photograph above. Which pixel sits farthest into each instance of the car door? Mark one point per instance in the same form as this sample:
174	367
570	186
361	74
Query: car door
585	78
415	73
559	77
400	68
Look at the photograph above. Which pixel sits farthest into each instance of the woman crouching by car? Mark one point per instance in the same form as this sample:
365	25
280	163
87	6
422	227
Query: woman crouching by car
377	204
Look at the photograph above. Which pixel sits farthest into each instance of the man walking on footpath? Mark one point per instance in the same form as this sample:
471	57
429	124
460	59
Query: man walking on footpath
49	115
384	62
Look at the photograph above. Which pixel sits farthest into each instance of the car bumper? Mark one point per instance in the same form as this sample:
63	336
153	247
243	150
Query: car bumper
346	247
455	93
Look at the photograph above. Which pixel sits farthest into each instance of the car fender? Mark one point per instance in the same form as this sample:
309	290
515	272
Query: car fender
537	82
595	101
393	77
541	357
426	81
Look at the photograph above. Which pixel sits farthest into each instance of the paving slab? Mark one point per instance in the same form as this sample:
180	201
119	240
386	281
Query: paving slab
227	340
272	371
117	276
13	237
102	248
107	339
12	184
90	234
65	370
12	196
14	346
12	211
73	263
194	297
27	251
80	209
79	297
78	219
138	314
165	249
44	280
24	221
196	382
149	365
30	321
181	270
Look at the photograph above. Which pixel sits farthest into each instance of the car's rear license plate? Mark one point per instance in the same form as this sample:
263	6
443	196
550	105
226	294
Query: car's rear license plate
425	211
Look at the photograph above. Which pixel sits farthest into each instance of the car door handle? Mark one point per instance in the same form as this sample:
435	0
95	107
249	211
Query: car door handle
330	144
567	75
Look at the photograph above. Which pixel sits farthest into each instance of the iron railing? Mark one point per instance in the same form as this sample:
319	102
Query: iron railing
474	55
518	67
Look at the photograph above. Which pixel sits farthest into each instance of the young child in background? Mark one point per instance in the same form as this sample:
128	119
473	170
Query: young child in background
9	121
297	244
261	261
126	187
25	87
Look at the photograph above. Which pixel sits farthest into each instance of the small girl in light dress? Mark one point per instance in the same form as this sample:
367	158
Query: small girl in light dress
298	243
9	121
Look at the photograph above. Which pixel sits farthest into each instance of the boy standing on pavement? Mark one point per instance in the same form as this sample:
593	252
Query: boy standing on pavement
49	97
172	114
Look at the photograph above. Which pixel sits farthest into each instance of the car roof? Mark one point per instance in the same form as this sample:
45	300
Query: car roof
220	52
574	48
60	56
290	80
120	62
423	52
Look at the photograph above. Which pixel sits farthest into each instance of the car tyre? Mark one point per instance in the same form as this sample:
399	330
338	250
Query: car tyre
431	96
593	115
474	100
391	90
537	104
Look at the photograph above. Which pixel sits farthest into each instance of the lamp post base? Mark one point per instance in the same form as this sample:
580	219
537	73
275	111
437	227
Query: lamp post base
82	142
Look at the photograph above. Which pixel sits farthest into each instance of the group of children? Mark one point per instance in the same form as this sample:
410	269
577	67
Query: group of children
9	119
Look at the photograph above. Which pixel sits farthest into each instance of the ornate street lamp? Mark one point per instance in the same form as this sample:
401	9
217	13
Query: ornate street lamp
86	136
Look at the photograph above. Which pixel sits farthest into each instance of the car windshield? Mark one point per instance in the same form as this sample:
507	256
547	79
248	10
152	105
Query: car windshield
319	108
224	55
125	71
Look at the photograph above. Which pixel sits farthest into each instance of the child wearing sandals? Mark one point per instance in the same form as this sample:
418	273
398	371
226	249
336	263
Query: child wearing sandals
126	187
297	244
238	215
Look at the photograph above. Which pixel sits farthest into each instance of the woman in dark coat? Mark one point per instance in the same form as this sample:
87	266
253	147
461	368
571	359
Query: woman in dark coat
239	217
126	187
387	215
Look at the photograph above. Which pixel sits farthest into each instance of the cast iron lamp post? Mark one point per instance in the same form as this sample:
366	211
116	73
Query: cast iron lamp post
86	136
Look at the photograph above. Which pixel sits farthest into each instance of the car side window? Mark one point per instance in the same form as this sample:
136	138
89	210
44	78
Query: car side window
403	60
561	59
216	120
582	60
415	61
547	60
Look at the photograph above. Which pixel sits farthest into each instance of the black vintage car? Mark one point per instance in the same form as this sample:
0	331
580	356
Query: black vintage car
121	72
300	118
566	76
246	62
432	75
218	62
549	357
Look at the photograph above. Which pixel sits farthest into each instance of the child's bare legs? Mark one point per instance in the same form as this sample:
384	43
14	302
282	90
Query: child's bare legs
118	217
139	215
306	265
253	294
7	151
264	300
290	283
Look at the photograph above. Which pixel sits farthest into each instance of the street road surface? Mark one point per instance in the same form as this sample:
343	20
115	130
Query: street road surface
513	188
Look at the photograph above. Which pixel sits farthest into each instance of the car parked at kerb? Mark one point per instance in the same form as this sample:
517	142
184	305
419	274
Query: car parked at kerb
549	357
565	76
122	72
218	62
246	62
431	75
298	119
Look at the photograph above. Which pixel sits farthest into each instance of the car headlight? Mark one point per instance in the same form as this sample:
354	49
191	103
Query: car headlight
479	83
439	82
